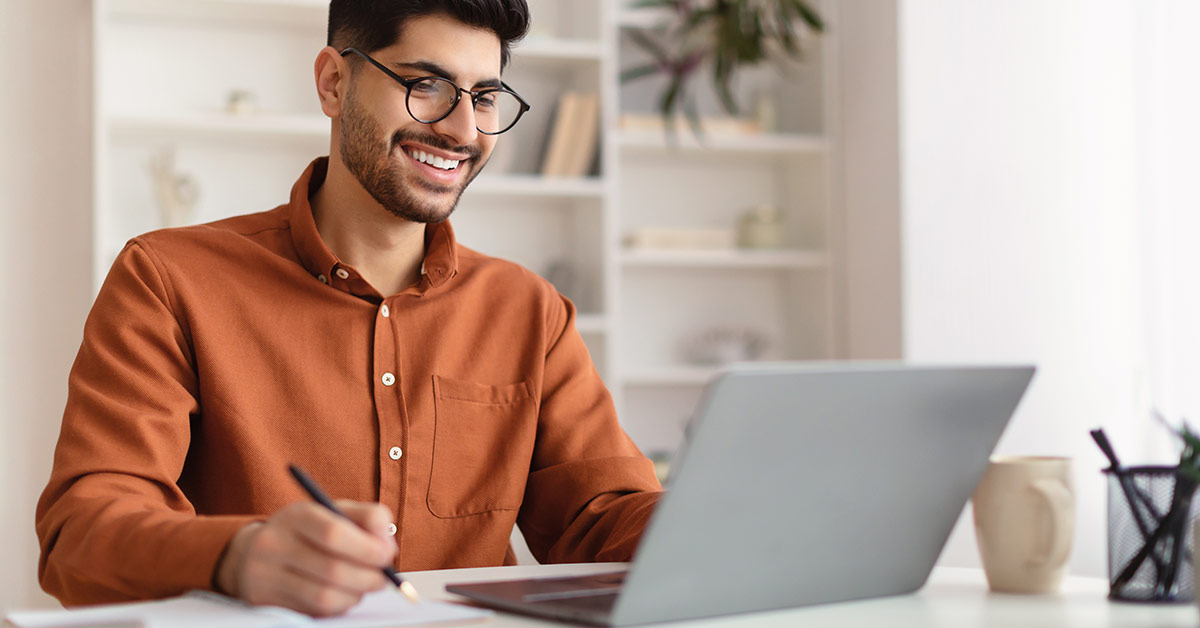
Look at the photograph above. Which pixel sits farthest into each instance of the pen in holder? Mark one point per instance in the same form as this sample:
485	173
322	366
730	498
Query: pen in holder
1150	515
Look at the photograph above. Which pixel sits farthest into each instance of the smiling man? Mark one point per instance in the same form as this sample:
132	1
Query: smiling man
443	395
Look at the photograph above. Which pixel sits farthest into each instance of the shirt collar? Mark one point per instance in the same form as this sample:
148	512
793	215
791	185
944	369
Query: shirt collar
441	256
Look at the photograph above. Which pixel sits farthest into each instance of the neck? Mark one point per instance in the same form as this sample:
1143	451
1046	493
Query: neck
385	249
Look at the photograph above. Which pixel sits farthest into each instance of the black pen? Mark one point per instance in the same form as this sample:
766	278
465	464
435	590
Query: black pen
310	486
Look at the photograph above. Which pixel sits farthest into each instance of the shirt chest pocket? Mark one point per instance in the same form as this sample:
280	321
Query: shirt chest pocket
482	446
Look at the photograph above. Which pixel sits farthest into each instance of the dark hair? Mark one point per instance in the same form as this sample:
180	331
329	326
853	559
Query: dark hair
371	25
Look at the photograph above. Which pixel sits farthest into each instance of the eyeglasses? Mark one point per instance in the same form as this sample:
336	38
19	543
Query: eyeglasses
430	99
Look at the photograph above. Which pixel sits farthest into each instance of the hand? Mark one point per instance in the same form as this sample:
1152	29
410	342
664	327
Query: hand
308	559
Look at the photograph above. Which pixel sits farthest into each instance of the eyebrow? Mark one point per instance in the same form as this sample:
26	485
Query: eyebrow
437	70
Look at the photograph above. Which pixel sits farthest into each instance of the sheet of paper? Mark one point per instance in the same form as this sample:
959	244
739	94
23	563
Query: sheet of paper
189	611
390	608
205	610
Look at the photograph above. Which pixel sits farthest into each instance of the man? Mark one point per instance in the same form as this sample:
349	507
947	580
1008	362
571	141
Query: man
443	394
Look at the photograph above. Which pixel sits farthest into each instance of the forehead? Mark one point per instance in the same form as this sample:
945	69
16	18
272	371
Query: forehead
473	54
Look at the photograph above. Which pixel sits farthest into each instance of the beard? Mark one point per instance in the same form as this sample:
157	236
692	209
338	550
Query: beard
373	161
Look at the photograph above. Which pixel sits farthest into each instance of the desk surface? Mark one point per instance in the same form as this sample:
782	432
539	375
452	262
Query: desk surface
953	598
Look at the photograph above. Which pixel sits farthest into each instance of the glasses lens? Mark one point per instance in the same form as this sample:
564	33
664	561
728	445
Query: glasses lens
431	98
496	111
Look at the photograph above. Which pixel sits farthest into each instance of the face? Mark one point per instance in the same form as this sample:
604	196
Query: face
387	150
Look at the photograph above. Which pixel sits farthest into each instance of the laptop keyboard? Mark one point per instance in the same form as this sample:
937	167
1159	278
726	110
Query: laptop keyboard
603	585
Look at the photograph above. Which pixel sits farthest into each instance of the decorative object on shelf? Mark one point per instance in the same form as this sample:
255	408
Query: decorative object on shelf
571	145
766	111
722	345
729	34
680	238
241	102
176	193
761	228
1150	516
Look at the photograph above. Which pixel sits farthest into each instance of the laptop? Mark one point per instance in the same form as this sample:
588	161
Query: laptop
800	484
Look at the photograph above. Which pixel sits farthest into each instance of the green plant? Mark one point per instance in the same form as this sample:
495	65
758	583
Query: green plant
729	34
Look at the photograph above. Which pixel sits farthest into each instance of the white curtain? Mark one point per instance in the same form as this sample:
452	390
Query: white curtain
1168	125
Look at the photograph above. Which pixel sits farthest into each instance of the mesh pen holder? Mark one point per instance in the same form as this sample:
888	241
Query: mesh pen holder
1150	514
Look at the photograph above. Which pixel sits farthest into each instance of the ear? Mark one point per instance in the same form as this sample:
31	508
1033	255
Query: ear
332	74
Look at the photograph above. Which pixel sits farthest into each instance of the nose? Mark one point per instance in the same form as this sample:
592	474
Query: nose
459	127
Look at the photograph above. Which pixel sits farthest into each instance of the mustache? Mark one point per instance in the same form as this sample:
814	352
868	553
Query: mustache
435	141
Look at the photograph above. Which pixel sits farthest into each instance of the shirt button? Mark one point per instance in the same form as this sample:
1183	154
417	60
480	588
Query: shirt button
385	311
322	279
343	273
392	529
395	453
388	379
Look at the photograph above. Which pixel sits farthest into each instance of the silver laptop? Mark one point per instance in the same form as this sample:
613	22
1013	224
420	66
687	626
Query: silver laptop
800	484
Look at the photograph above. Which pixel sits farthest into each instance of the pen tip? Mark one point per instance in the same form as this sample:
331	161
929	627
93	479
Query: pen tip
410	592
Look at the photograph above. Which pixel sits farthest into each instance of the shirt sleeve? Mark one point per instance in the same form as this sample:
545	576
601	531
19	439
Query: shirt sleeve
590	492
113	523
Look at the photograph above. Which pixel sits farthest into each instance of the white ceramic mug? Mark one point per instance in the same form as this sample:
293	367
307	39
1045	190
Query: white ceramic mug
1025	522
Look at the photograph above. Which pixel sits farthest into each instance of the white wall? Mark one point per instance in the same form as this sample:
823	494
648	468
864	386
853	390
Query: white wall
1020	170
45	196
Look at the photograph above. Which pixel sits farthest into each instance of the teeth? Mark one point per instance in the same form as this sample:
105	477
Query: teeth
434	160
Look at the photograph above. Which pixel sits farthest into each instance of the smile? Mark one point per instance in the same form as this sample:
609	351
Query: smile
434	160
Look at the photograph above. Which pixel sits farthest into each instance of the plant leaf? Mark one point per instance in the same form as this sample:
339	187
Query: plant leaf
640	71
647	43
811	17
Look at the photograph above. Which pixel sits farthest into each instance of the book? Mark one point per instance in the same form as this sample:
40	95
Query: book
584	132
558	143
204	610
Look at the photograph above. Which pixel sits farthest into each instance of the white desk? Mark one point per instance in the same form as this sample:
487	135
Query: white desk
953	598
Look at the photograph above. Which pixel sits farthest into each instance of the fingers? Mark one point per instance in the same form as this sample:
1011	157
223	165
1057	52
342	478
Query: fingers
299	592
312	560
331	534
374	518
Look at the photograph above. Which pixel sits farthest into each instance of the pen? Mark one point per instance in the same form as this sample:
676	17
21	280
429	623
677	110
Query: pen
310	486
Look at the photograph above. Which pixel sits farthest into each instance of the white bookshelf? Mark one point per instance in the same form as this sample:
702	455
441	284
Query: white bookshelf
164	69
725	258
765	146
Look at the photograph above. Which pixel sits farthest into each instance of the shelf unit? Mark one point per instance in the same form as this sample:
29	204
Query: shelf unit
635	306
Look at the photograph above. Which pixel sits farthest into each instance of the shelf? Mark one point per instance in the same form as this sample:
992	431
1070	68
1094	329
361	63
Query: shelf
221	124
310	13
643	18
536	186
774	144
553	49
670	376
724	258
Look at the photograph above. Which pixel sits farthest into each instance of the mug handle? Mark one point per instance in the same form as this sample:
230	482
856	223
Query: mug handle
1062	521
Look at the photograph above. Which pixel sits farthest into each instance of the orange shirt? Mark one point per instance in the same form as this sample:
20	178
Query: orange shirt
217	354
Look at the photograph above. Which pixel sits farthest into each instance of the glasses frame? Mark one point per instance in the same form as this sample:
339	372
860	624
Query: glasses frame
459	91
